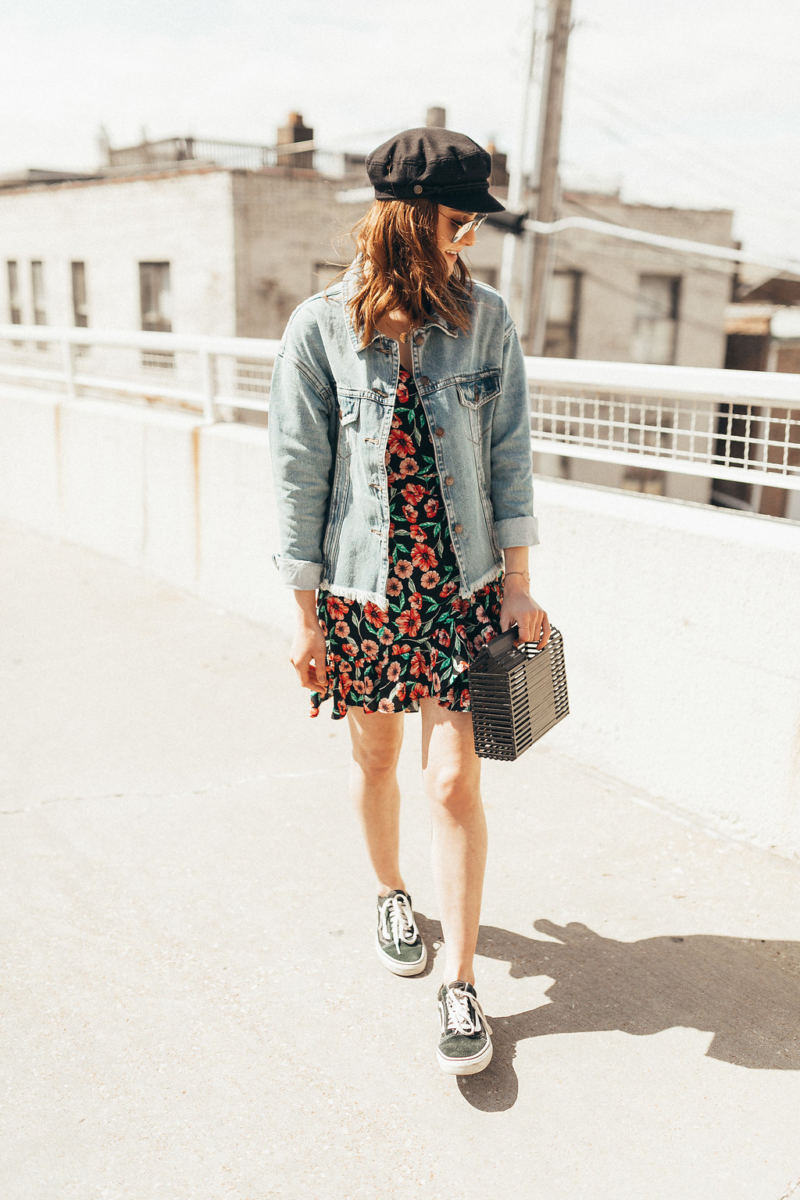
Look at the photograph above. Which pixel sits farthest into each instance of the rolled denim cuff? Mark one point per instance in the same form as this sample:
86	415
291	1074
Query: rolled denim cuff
517	531
297	574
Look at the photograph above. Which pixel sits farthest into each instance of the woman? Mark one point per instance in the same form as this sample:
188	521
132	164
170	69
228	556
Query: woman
399	432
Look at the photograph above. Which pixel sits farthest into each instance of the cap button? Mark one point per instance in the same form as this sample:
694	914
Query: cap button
417	189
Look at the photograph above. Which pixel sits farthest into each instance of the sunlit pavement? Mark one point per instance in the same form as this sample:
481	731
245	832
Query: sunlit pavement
191	1003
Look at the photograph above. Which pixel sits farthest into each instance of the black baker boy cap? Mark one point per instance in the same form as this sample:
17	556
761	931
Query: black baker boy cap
433	164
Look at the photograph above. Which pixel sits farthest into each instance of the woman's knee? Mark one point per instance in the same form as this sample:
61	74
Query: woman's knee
376	743
454	789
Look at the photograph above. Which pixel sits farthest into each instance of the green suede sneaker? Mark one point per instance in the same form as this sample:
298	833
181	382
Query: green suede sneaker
399	946
465	1046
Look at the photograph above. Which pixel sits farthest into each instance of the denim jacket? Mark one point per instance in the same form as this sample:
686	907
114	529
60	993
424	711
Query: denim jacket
330	414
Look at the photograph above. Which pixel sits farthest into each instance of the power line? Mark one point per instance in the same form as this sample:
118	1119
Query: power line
675	147
679	245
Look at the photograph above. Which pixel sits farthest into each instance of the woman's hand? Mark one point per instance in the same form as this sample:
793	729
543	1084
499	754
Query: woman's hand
308	657
520	608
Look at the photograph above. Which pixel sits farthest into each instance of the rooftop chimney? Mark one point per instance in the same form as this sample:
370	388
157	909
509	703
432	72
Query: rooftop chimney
436	118
290	133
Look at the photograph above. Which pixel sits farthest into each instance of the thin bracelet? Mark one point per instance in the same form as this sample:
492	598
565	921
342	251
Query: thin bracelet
525	573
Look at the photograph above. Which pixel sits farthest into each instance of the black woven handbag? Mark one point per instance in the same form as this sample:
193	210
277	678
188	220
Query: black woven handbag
517	693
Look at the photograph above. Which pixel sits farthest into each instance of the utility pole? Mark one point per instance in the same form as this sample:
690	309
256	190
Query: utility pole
518	247
546	180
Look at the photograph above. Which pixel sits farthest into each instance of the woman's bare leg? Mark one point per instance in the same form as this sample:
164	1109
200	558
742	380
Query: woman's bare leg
377	738
451	771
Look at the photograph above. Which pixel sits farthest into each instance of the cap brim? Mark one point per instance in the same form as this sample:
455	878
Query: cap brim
477	200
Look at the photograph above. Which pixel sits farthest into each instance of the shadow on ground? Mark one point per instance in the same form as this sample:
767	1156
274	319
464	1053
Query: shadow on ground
744	991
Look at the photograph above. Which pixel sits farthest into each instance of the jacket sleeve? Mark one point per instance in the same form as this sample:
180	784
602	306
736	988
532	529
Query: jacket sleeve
300	406
512	475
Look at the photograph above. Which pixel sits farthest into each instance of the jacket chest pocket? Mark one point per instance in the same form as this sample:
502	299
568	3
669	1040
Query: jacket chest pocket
349	410
478	389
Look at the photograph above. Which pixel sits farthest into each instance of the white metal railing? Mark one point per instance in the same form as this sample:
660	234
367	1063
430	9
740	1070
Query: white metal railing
736	425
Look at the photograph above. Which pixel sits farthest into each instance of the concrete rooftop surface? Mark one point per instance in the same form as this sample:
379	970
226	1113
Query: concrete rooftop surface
192	1008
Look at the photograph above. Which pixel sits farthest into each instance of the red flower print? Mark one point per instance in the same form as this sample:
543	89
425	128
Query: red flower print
430	579
420	690
465	699
400	692
410	513
342	629
370	650
409	466
358	687
415	600
431	508
448	589
480	613
436	684
393	586
349	649
417	533
368	686
443	637
401	445
409	622
385	706
423	557
386	637
414	492
418	665
336	607
393	672
376	616
403	568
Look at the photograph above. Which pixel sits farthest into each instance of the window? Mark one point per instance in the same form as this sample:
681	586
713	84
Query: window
155	298
655	333
80	308
14	302
37	294
562	315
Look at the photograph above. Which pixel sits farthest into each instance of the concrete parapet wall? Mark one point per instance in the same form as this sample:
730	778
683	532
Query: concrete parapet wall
680	621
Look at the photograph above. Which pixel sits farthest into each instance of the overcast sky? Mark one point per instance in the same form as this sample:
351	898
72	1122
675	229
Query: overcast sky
687	102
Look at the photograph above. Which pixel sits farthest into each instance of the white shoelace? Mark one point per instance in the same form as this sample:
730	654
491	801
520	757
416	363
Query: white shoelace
464	1012
397	921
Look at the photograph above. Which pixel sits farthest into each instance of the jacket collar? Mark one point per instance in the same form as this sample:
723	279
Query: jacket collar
349	288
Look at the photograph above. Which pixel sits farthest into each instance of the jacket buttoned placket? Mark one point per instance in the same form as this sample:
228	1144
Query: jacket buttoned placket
389	394
438	439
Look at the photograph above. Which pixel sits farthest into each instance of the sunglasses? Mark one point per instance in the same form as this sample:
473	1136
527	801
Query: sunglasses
463	230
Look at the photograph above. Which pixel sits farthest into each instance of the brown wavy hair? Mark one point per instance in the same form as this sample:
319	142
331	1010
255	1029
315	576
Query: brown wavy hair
402	267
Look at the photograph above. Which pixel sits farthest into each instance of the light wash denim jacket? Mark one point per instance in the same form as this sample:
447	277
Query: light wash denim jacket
330	413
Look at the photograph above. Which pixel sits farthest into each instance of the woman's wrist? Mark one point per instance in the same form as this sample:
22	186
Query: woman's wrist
517	580
306	602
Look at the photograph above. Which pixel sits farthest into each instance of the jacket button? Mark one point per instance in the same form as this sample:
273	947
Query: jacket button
417	189
449	481
419	338
424	380
458	528
439	431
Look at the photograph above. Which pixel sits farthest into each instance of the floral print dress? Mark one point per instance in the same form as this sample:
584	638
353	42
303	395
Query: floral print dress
386	660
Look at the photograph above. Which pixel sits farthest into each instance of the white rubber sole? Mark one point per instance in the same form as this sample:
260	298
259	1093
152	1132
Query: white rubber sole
466	1066
398	968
